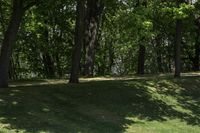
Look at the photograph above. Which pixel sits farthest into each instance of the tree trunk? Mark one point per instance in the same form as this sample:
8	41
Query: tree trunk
178	38
12	69
79	39
142	48
196	58
197	47
9	40
159	54
48	61
58	66
94	11
2	18
141	59
111	56
49	68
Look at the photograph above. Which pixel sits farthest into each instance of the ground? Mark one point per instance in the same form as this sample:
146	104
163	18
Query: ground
148	104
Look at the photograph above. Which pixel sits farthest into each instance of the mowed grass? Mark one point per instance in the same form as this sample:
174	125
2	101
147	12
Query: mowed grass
149	104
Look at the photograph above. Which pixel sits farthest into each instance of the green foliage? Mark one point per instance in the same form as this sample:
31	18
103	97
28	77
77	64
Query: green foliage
48	30
183	11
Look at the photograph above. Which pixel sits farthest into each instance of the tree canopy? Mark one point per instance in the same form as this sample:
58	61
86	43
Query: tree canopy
68	38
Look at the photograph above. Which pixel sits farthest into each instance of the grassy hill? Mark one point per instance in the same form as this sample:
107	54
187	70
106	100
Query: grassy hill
149	104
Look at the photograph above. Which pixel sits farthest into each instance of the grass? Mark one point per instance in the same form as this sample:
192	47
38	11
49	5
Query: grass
149	104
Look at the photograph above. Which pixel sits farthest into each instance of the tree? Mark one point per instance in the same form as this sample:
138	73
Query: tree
177	48
10	38
177	43
79	39
114	36
197	46
141	59
142	48
93	15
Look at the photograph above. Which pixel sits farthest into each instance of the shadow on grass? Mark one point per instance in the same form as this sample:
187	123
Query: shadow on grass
97	107
189	97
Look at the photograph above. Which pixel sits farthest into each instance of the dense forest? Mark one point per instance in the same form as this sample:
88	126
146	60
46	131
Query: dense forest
69	39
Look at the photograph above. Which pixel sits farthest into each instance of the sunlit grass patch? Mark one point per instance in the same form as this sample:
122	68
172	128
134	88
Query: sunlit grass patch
170	126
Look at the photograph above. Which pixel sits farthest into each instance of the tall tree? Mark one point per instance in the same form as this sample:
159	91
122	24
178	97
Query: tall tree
177	44
79	39
141	59
197	46
178	38
142	48
93	15
2	18
9	39
10	35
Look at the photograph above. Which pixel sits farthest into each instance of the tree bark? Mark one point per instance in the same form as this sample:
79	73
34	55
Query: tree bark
141	59
2	18
49	68
79	40
159	54
142	48
48	61
197	47
196	58
178	38
12	69
93	14
9	40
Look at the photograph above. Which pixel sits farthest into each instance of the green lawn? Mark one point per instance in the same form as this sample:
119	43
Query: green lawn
158	104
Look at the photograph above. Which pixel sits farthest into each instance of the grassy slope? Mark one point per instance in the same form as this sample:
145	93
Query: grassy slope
138	105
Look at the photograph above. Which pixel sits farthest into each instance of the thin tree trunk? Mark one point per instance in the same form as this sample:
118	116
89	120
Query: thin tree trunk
58	66
142	48
141	59
47	58
111	56
79	39
197	47
58	61
48	66
196	58
178	38
9	40
159	54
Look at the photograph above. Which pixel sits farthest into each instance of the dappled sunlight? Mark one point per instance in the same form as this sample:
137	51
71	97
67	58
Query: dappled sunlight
37	83
170	126
110	78
1	100
191	74
102	105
